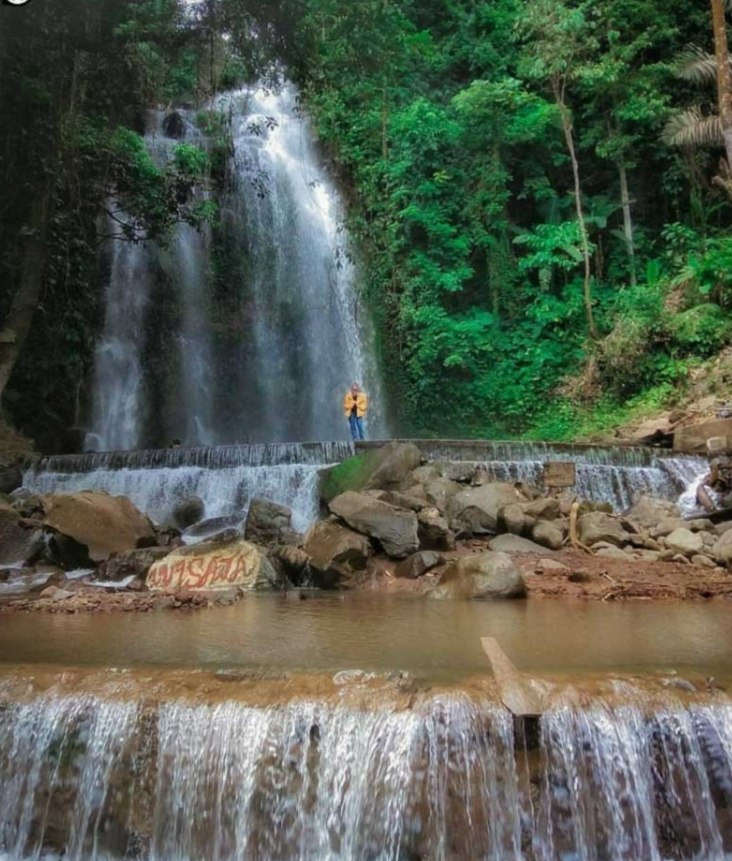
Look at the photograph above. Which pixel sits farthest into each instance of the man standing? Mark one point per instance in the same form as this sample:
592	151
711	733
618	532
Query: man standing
355	404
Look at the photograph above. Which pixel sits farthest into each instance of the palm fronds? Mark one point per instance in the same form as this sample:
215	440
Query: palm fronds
696	64
693	128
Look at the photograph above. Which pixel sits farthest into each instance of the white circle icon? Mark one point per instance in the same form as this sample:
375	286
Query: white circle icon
15	2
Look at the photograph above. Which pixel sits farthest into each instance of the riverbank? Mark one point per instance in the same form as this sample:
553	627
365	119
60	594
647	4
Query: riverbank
565	575
395	519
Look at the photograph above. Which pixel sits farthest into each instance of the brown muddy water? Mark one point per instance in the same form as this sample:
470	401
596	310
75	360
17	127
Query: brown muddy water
429	639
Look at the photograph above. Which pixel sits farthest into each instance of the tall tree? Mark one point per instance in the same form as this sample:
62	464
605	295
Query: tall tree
559	37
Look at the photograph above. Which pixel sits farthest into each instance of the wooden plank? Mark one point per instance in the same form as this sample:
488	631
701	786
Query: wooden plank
559	473
522	695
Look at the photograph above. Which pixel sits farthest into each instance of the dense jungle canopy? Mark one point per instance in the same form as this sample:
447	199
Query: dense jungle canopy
539	194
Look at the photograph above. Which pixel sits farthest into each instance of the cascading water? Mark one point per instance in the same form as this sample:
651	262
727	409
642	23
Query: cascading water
444	777
227	477
247	331
118	372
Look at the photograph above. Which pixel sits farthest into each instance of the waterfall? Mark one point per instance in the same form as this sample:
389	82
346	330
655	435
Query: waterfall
449	776
248	330
227	477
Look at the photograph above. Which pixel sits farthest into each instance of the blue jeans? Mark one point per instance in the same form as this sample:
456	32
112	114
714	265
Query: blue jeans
356	425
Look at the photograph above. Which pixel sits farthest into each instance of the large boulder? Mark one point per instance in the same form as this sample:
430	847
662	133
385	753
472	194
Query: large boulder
649	511
722	548
598	526
685	541
475	511
268	523
395	529
440	491
213	566
693	438
486	575
380	468
337	555
546	508
20	543
433	530
188	511
392	464
133	563
550	533
512	518
104	524
418	564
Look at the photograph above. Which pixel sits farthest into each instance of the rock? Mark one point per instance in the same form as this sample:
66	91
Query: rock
212	528
295	563
684	541
512	518
214	566
440	491
395	529
702	561
649	511
598	526
693	438
456	470
65	551
188	511
19	543
652	431
422	475
410	501
648	555
392	463
580	577
551	566
722	549
133	563
701	524
547	508
268	523
486	575
174	125
381	468
475	511
515	544
56	594
104	524
666	526
721	528
613	552
550	533
418	564
337	555
11	478
679	557
433	531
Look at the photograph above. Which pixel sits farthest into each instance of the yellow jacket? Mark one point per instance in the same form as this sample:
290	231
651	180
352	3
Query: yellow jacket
362	404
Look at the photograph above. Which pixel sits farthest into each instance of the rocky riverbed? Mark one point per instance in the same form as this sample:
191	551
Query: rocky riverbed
390	522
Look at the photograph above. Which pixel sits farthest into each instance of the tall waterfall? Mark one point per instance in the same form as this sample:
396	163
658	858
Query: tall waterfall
447	777
249	330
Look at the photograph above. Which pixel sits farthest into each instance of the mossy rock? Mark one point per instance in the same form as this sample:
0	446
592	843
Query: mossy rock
351	474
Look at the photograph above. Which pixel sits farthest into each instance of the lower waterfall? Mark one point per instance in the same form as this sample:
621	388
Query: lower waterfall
436	776
227	477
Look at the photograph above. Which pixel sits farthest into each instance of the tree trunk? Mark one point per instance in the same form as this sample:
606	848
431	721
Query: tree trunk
724	84
627	220
585	243
18	323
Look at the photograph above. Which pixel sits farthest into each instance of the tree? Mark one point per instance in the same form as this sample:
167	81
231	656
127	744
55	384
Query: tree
558	37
